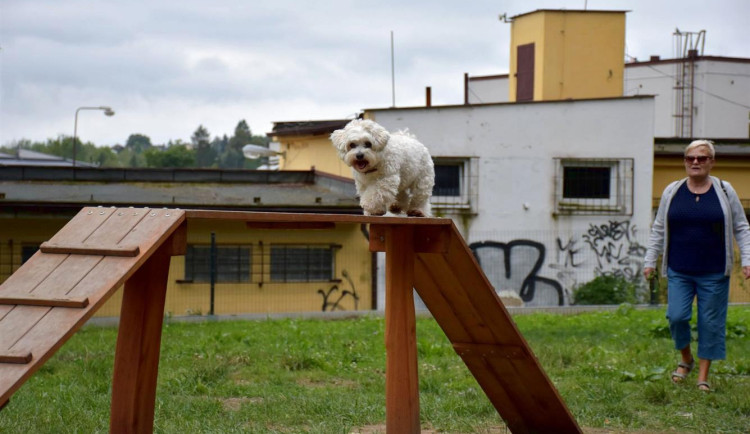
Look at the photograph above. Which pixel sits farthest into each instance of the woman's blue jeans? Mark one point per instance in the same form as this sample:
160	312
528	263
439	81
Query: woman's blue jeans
712	292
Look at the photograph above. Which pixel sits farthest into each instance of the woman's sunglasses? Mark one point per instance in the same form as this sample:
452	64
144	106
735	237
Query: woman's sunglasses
701	159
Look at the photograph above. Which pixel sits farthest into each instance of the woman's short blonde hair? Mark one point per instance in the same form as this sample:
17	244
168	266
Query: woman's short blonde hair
698	143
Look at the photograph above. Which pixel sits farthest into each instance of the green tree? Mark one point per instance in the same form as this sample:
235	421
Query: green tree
173	156
138	143
205	155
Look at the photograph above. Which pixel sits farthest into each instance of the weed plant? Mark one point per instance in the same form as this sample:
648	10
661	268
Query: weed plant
293	375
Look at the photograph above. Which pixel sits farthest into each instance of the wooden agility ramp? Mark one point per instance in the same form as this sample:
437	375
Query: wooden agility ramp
53	294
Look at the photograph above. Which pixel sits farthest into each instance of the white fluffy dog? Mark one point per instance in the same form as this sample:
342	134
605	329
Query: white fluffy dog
392	172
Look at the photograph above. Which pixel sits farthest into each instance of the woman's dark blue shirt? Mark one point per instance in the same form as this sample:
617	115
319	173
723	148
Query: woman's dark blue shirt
696	233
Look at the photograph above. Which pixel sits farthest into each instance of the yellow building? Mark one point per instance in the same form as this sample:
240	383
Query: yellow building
566	54
259	270
306	145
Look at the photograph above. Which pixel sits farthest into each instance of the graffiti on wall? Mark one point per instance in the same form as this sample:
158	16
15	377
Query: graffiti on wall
603	249
521	261
616	250
331	303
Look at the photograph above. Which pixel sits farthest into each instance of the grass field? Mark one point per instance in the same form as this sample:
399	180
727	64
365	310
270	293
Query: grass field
322	376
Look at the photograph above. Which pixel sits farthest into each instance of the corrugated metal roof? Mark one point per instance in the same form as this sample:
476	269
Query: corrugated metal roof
298	128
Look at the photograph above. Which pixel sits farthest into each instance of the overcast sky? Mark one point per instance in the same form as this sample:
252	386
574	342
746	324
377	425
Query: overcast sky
167	67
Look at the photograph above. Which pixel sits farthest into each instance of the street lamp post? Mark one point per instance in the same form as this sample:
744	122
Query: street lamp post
107	111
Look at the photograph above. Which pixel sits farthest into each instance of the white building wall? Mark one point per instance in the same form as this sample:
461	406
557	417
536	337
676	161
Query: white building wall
516	146
490	89
720	99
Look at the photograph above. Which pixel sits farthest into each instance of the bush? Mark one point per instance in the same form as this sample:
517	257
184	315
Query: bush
607	290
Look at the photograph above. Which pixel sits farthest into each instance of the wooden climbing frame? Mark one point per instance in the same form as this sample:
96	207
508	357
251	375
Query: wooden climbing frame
53	294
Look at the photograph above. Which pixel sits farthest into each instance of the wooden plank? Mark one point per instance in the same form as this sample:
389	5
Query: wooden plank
439	307
502	399
71	249
82	225
401	377
290	225
35	300
311	218
481	294
26	278
487	351
450	287
138	344
119	224
17	323
17	358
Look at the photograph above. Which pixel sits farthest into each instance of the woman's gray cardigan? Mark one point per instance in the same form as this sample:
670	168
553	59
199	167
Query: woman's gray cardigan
735	223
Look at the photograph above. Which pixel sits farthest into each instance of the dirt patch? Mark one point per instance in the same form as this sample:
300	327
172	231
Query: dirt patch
234	404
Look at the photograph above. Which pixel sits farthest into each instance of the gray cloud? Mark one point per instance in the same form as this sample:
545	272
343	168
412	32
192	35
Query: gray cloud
167	66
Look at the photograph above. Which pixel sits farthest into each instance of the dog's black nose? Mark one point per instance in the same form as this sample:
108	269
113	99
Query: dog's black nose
360	156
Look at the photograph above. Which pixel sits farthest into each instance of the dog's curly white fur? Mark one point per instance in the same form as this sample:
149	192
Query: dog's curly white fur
392	171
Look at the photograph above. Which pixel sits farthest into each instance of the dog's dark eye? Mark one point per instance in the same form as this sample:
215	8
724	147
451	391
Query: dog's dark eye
368	145
352	146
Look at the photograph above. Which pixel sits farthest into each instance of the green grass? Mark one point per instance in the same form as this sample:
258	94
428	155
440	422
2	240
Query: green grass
319	376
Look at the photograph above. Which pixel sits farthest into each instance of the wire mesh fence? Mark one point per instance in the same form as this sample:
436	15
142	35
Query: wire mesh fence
233	270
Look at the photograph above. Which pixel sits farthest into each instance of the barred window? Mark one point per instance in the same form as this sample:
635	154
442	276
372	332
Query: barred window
299	263
233	263
594	186
456	183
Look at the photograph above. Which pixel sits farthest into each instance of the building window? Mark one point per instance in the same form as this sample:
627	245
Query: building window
233	263
297	263
455	183
594	186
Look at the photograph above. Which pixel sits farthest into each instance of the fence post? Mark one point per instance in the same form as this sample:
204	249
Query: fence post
212	271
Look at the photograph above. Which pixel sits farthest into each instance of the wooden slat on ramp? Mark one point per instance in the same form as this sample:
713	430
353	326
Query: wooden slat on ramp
52	295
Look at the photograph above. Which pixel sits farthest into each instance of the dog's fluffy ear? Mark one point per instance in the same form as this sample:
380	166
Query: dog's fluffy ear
379	134
338	138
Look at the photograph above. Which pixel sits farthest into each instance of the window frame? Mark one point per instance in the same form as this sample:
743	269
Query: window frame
468	172
243	274
619	200
307	275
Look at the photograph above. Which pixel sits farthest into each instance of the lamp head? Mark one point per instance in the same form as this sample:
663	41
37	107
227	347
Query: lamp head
108	111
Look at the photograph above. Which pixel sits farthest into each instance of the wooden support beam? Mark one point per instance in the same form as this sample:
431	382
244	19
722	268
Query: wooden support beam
83	249
427	239
138	345
34	300
17	358
401	376
489	351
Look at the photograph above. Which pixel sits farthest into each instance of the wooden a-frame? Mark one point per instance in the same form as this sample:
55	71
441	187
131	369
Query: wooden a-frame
53	294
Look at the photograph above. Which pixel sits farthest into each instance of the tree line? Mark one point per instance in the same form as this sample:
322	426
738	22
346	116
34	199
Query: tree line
201	152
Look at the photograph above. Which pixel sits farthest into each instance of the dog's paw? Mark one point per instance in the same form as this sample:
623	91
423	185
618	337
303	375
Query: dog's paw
415	213
395	209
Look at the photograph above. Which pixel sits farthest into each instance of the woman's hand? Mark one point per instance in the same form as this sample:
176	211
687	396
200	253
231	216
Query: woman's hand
746	271
648	272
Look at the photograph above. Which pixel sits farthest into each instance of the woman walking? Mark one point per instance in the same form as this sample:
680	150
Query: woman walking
697	219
